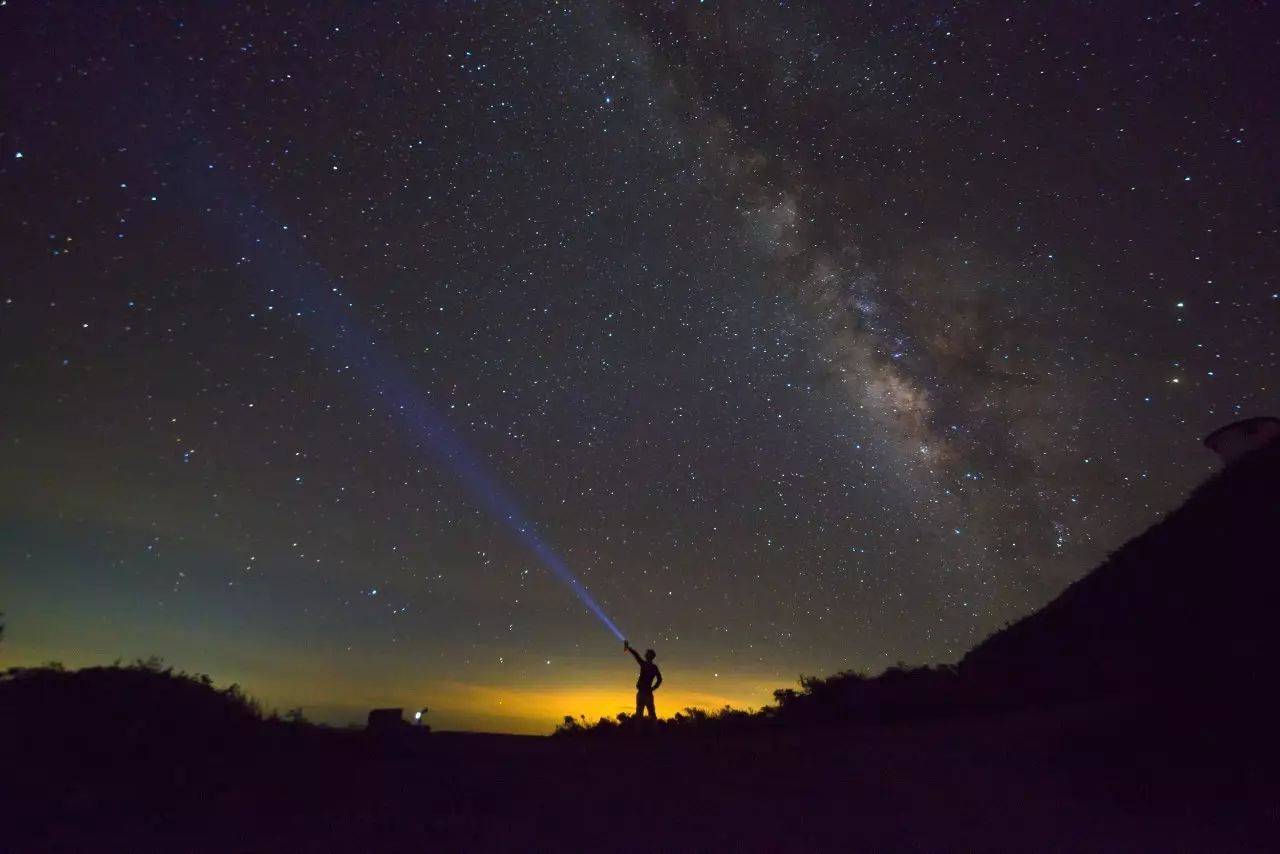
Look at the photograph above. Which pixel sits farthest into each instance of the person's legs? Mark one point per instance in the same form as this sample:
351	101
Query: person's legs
648	704
639	704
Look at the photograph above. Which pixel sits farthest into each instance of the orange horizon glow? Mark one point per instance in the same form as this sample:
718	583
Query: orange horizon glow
598	690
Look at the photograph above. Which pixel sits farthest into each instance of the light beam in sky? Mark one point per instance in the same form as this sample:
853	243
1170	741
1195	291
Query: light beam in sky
302	285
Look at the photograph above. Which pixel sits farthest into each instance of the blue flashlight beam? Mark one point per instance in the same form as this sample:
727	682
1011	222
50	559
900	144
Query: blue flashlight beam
485	490
317	304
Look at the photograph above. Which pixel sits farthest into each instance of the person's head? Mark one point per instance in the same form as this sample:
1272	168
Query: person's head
650	655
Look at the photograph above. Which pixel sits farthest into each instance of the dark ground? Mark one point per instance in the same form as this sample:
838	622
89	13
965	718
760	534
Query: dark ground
1179	620
1029	781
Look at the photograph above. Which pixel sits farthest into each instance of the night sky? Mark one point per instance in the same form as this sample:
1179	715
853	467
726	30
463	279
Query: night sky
808	336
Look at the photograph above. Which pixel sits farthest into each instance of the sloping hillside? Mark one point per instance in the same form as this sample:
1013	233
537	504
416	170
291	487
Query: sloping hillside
1188	604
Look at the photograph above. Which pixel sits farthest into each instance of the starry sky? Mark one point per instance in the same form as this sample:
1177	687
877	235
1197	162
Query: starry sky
807	336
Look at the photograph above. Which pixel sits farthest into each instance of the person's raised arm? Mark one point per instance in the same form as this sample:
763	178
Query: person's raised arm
627	646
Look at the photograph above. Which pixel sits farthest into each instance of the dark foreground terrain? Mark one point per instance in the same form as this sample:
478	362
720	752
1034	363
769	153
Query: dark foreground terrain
1134	712
1079	778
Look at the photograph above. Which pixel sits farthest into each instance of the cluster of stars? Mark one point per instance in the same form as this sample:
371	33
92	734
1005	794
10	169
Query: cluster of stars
819	341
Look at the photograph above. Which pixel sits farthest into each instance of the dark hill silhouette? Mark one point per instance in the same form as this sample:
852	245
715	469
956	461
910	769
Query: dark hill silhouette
143	705
1181	616
1187	606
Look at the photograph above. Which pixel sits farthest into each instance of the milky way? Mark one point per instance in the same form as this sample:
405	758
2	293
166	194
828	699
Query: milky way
810	337
925	340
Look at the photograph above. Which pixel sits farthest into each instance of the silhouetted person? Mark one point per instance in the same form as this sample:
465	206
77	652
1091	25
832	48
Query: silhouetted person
650	679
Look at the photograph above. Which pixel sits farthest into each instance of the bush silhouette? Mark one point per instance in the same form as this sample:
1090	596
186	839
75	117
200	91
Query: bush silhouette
144	709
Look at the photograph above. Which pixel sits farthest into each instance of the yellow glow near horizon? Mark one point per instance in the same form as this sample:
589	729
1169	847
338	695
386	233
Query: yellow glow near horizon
593	690
538	709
